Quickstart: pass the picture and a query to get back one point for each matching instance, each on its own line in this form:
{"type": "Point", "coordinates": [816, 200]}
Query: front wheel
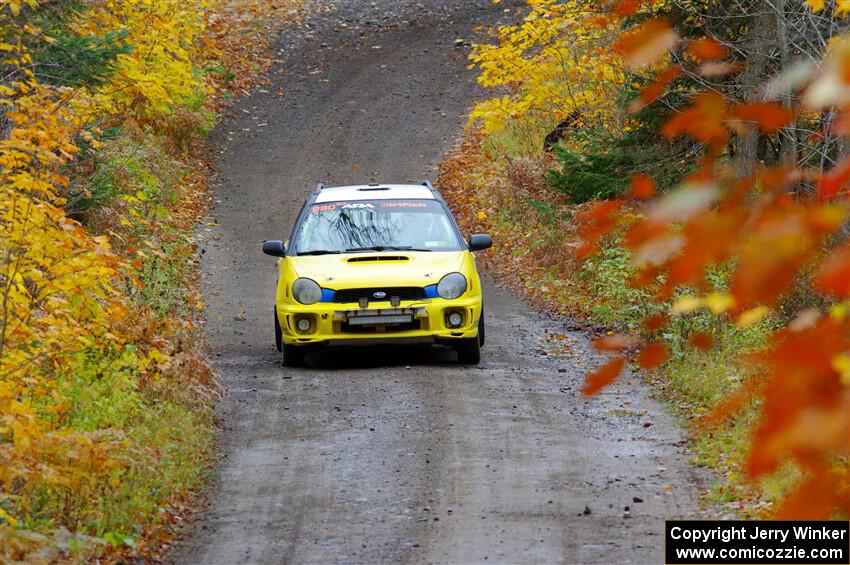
{"type": "Point", "coordinates": [278, 333]}
{"type": "Point", "coordinates": [468, 351]}
{"type": "Point", "coordinates": [481, 329]}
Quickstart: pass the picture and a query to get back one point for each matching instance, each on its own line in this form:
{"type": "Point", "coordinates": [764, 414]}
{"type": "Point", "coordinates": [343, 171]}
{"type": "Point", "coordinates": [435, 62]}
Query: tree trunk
{"type": "Point", "coordinates": [761, 37]}
{"type": "Point", "coordinates": [788, 135]}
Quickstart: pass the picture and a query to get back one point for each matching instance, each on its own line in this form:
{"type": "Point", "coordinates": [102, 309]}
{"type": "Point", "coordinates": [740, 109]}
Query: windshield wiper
{"type": "Point", "coordinates": [319, 252]}
{"type": "Point", "coordinates": [382, 248]}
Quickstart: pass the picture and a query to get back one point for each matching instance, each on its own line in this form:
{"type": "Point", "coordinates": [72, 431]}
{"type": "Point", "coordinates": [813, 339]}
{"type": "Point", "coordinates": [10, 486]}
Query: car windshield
{"type": "Point", "coordinates": [376, 225]}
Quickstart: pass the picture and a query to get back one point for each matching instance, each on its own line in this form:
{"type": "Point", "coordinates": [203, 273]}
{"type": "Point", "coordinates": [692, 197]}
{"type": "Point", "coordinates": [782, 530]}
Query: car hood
{"type": "Point", "coordinates": [356, 270]}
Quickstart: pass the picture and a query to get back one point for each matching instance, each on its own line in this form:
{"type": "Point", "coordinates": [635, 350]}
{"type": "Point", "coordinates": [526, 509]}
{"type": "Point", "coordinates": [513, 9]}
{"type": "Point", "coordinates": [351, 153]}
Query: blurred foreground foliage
{"type": "Point", "coordinates": [697, 197]}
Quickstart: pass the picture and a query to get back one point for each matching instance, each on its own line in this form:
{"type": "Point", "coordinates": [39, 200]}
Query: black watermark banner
{"type": "Point", "coordinates": [761, 542]}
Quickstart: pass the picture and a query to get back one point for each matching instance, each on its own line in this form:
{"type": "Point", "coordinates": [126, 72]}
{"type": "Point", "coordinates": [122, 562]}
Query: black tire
{"type": "Point", "coordinates": [293, 356]}
{"type": "Point", "coordinates": [481, 329]}
{"type": "Point", "coordinates": [468, 351]}
{"type": "Point", "coordinates": [278, 333]}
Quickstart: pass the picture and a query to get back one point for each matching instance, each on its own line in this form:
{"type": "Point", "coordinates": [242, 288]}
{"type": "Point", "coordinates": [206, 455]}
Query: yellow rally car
{"type": "Point", "coordinates": [377, 264]}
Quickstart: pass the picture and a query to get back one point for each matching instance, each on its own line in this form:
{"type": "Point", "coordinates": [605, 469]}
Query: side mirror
{"type": "Point", "coordinates": [480, 241]}
{"type": "Point", "coordinates": [275, 248]}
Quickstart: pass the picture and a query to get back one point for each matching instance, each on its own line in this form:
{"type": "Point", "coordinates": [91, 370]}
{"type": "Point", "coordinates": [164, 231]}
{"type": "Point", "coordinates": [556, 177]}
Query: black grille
{"type": "Point", "coordinates": [414, 325]}
{"type": "Point", "coordinates": [355, 294]}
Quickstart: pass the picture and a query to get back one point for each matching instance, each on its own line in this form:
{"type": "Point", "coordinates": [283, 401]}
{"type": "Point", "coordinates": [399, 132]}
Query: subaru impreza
{"type": "Point", "coordinates": [377, 264]}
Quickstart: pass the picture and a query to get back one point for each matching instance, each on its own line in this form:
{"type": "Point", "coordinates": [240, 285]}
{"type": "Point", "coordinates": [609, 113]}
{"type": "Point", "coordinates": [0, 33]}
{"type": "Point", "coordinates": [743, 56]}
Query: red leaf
{"type": "Point", "coordinates": [644, 277]}
{"type": "Point", "coordinates": [833, 275]}
{"type": "Point", "coordinates": [656, 322]}
{"type": "Point", "coordinates": [643, 186]}
{"type": "Point", "coordinates": [831, 183]}
{"type": "Point", "coordinates": [702, 341]}
{"type": "Point", "coordinates": [603, 376]}
{"type": "Point", "coordinates": [653, 355]}
{"type": "Point", "coordinates": [770, 116]}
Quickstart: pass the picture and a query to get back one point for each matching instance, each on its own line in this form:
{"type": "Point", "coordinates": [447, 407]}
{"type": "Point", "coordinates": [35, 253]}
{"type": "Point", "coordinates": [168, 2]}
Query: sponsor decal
{"type": "Point", "coordinates": [392, 204]}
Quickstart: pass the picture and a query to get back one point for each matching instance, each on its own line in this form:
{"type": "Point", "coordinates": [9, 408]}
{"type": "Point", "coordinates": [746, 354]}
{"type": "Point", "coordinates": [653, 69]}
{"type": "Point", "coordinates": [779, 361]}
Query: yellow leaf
{"type": "Point", "coordinates": [687, 304]}
{"type": "Point", "coordinates": [752, 316]}
{"type": "Point", "coordinates": [841, 363]}
{"type": "Point", "coordinates": [719, 302]}
{"type": "Point", "coordinates": [8, 518]}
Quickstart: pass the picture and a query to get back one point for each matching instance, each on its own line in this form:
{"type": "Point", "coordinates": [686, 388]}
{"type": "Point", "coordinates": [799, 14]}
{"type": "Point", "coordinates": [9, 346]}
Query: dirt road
{"type": "Point", "coordinates": [398, 456]}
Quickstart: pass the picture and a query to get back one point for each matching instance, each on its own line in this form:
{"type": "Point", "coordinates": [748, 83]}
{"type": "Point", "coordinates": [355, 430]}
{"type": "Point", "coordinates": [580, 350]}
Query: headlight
{"type": "Point", "coordinates": [451, 286]}
{"type": "Point", "coordinates": [306, 291]}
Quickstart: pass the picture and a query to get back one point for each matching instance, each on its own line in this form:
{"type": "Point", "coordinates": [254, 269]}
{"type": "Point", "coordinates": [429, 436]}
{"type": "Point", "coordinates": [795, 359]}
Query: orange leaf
{"type": "Point", "coordinates": [653, 355]}
{"type": "Point", "coordinates": [816, 498]}
{"type": "Point", "coordinates": [730, 404]}
{"type": "Point", "coordinates": [703, 121]}
{"type": "Point", "coordinates": [806, 408]}
{"type": "Point", "coordinates": [615, 342]}
{"type": "Point", "coordinates": [777, 178]}
{"type": "Point", "coordinates": [643, 186]}
{"type": "Point", "coordinates": [706, 49]}
{"type": "Point", "coordinates": [625, 8]}
{"type": "Point", "coordinates": [596, 221]}
{"type": "Point", "coordinates": [644, 277]}
{"type": "Point", "coordinates": [770, 116]}
{"type": "Point", "coordinates": [656, 88]}
{"type": "Point", "coordinates": [603, 376]}
{"type": "Point", "coordinates": [833, 276]}
{"type": "Point", "coordinates": [646, 43]}
{"type": "Point", "coordinates": [831, 183]}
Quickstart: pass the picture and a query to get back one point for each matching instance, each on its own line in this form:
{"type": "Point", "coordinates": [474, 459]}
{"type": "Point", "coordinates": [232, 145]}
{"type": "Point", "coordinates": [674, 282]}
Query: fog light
{"type": "Point", "coordinates": [303, 324]}
{"type": "Point", "coordinates": [455, 319]}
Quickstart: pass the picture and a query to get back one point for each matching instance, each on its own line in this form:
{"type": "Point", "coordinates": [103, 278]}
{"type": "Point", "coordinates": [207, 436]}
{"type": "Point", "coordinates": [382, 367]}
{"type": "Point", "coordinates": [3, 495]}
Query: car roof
{"type": "Point", "coordinates": [374, 191]}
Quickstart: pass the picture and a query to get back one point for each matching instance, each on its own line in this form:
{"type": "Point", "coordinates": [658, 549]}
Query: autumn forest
{"type": "Point", "coordinates": [668, 180]}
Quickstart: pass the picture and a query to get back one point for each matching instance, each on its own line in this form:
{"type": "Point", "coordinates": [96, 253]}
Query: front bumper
{"type": "Point", "coordinates": [329, 322]}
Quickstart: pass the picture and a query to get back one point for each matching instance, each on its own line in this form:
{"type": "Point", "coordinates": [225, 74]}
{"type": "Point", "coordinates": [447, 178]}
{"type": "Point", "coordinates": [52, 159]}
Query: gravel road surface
{"type": "Point", "coordinates": [385, 455]}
